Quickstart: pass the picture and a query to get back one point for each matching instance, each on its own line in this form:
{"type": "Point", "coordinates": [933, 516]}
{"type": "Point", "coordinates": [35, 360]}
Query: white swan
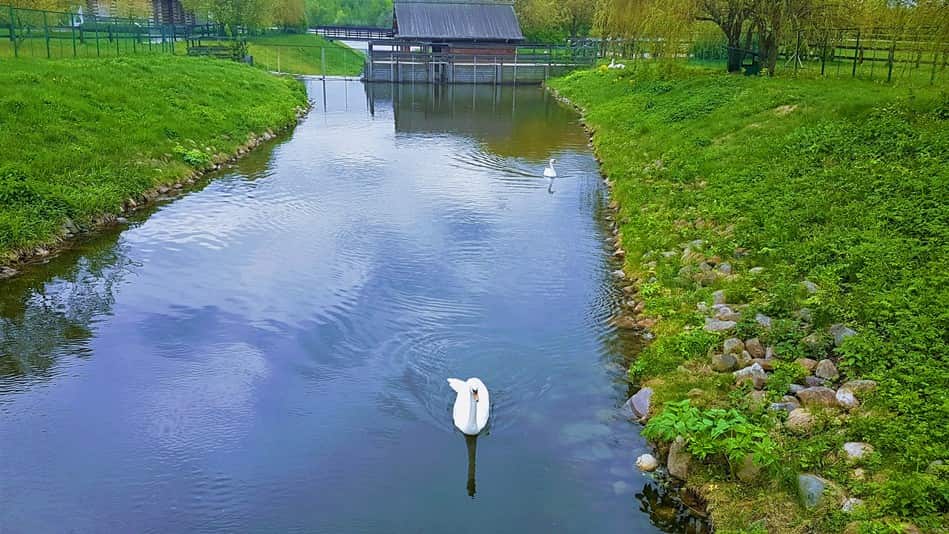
{"type": "Point", "coordinates": [550, 172]}
{"type": "Point", "coordinates": [472, 405]}
{"type": "Point", "coordinates": [614, 65]}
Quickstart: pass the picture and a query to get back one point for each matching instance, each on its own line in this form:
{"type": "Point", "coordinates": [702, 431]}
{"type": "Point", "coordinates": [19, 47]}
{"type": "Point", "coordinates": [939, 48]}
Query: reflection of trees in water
{"type": "Point", "coordinates": [523, 121]}
{"type": "Point", "coordinates": [49, 311]}
{"type": "Point", "coordinates": [666, 511]}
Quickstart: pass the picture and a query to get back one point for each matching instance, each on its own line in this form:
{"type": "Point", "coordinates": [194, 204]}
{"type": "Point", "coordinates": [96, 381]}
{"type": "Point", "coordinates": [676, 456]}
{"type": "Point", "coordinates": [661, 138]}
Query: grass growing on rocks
{"type": "Point", "coordinates": [807, 204]}
{"type": "Point", "coordinates": [80, 137]}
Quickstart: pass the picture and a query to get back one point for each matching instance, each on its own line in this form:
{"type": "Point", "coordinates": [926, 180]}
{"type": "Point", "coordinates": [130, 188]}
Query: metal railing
{"type": "Point", "coordinates": [53, 34]}
{"type": "Point", "coordinates": [353, 33]}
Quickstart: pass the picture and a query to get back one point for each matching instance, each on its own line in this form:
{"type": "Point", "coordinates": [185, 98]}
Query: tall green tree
{"type": "Point", "coordinates": [250, 14]}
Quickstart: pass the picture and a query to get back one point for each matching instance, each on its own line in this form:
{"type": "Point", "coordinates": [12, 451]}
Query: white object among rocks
{"type": "Point", "coordinates": [856, 450]}
{"type": "Point", "coordinates": [647, 463]}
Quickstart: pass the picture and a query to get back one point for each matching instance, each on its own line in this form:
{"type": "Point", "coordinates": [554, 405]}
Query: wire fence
{"type": "Point", "coordinates": [52, 35]}
{"type": "Point", "coordinates": [882, 54]}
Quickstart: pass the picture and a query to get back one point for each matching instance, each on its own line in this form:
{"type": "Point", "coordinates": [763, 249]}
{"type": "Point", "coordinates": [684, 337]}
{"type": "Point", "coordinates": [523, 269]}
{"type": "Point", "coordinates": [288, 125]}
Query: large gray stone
{"type": "Point", "coordinates": [813, 490]}
{"type": "Point", "coordinates": [807, 363]}
{"type": "Point", "coordinates": [860, 387]}
{"type": "Point", "coordinates": [753, 374]}
{"type": "Point", "coordinates": [718, 297]}
{"type": "Point", "coordinates": [724, 362]}
{"type": "Point", "coordinates": [679, 459]}
{"type": "Point", "coordinates": [800, 420]}
{"type": "Point", "coordinates": [625, 322]}
{"type": "Point", "coordinates": [733, 345]}
{"type": "Point", "coordinates": [846, 399]}
{"type": "Point", "coordinates": [647, 463]}
{"type": "Point", "coordinates": [755, 348]}
{"type": "Point", "coordinates": [818, 396]}
{"type": "Point", "coordinates": [639, 403]}
{"type": "Point", "coordinates": [714, 325]}
{"type": "Point", "coordinates": [763, 320]}
{"type": "Point", "coordinates": [841, 333]}
{"type": "Point", "coordinates": [826, 370]}
{"type": "Point", "coordinates": [810, 287]}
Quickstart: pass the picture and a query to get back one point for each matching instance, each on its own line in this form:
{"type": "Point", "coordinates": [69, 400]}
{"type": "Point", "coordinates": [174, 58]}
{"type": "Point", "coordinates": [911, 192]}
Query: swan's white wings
{"type": "Point", "coordinates": [461, 411]}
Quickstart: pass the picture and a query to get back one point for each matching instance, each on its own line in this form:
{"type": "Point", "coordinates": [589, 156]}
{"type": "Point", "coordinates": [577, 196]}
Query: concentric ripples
{"type": "Point", "coordinates": [270, 352]}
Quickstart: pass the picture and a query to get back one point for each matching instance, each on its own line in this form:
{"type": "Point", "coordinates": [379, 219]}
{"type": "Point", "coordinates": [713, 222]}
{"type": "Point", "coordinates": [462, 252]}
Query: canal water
{"type": "Point", "coordinates": [269, 352]}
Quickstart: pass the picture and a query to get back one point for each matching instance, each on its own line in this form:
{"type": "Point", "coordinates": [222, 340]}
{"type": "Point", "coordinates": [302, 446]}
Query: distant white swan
{"type": "Point", "coordinates": [472, 405]}
{"type": "Point", "coordinates": [614, 65]}
{"type": "Point", "coordinates": [550, 172]}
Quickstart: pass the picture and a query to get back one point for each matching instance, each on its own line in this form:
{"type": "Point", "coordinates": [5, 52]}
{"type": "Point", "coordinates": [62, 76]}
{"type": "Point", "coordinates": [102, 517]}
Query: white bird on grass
{"type": "Point", "coordinates": [614, 65]}
{"type": "Point", "coordinates": [472, 405]}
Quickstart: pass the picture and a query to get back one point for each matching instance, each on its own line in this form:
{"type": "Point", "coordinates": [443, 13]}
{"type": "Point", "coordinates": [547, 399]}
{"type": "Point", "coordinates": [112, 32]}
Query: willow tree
{"type": "Point", "coordinates": [289, 13]}
{"type": "Point", "coordinates": [249, 14]}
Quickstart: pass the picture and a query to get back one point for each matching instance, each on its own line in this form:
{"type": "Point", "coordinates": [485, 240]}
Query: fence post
{"type": "Point", "coordinates": [856, 53]}
{"type": "Point", "coordinates": [46, 29]}
{"type": "Point", "coordinates": [323, 61]}
{"type": "Point", "coordinates": [797, 52]}
{"type": "Point", "coordinates": [95, 23]}
{"type": "Point", "coordinates": [515, 67]}
{"type": "Point", "coordinates": [823, 54]}
{"type": "Point", "coordinates": [16, 52]}
{"type": "Point", "coordinates": [72, 27]}
{"type": "Point", "coordinates": [889, 72]}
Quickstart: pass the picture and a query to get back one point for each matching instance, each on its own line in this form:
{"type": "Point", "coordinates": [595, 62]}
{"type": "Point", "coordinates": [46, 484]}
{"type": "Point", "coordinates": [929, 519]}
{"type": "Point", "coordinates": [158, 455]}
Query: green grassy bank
{"type": "Point", "coordinates": [304, 54]}
{"type": "Point", "coordinates": [808, 204]}
{"type": "Point", "coordinates": [80, 137]}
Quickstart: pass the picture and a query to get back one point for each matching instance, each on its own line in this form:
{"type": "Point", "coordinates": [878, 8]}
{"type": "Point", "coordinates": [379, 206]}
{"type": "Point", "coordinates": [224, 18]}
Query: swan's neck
{"type": "Point", "coordinates": [472, 413]}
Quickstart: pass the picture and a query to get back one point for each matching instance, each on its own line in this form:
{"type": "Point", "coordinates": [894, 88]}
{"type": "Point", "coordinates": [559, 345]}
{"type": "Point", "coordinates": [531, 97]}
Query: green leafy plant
{"type": "Point", "coordinates": [712, 432]}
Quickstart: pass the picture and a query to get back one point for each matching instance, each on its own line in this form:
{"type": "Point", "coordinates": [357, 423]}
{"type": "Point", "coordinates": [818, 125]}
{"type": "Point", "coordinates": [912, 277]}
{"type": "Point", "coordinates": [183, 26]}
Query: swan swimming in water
{"type": "Point", "coordinates": [549, 171]}
{"type": "Point", "coordinates": [472, 405]}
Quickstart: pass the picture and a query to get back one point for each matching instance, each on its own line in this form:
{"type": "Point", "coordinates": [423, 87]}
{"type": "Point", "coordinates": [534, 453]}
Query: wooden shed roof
{"type": "Point", "coordinates": [457, 20]}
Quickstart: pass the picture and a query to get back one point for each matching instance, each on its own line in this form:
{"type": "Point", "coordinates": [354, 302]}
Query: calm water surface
{"type": "Point", "coordinates": [269, 353]}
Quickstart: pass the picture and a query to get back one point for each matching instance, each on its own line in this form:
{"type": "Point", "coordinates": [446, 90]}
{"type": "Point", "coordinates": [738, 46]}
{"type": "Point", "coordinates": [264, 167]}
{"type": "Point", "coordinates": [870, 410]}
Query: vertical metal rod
{"type": "Point", "coordinates": [323, 61]}
{"type": "Point", "coordinates": [16, 52]}
{"type": "Point", "coordinates": [823, 54]}
{"type": "Point", "coordinates": [889, 73]}
{"type": "Point", "coordinates": [515, 67]}
{"type": "Point", "coordinates": [46, 29]}
{"type": "Point", "coordinates": [856, 52]}
{"type": "Point", "coordinates": [797, 52]}
{"type": "Point", "coordinates": [95, 23]}
{"type": "Point", "coordinates": [72, 27]}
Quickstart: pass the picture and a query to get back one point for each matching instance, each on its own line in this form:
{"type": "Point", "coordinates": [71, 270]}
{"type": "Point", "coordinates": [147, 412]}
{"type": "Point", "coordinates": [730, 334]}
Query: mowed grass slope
{"type": "Point", "coordinates": [841, 183]}
{"type": "Point", "coordinates": [79, 137]}
{"type": "Point", "coordinates": [304, 54]}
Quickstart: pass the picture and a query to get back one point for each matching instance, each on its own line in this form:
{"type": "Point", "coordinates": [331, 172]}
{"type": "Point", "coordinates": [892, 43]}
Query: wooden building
{"type": "Point", "coordinates": [488, 27]}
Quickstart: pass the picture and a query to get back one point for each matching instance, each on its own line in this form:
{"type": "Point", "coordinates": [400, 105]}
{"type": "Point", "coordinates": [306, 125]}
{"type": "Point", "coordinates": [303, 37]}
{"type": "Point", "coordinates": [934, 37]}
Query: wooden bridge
{"type": "Point", "coordinates": [353, 33]}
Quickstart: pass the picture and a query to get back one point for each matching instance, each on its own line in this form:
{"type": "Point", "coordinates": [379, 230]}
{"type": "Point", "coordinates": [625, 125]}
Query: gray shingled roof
{"type": "Point", "coordinates": [457, 20]}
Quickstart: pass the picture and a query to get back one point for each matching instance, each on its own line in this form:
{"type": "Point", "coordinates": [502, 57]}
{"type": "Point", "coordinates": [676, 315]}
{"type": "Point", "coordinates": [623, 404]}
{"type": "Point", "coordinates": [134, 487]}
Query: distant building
{"type": "Point", "coordinates": [171, 12]}
{"type": "Point", "coordinates": [162, 11]}
{"type": "Point", "coordinates": [458, 26]}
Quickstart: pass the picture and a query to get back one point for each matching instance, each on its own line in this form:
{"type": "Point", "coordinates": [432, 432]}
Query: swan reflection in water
{"type": "Point", "coordinates": [472, 443]}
